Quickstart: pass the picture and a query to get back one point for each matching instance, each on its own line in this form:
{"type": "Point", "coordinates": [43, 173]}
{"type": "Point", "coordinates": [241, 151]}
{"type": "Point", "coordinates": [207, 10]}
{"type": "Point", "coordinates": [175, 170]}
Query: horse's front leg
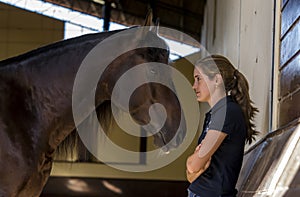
{"type": "Point", "coordinates": [13, 167]}
{"type": "Point", "coordinates": [23, 173]}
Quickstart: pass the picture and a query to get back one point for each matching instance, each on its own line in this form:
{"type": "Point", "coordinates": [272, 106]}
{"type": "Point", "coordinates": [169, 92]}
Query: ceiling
{"type": "Point", "coordinates": [183, 15]}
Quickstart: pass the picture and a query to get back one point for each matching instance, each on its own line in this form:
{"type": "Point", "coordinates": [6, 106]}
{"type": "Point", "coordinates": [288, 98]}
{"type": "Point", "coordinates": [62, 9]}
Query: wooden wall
{"type": "Point", "coordinates": [289, 68]}
{"type": "Point", "coordinates": [271, 167]}
{"type": "Point", "coordinates": [242, 30]}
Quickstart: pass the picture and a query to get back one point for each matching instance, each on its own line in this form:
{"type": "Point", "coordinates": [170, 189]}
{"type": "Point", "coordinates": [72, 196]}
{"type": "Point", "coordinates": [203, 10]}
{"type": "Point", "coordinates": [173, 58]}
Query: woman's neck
{"type": "Point", "coordinates": [215, 98]}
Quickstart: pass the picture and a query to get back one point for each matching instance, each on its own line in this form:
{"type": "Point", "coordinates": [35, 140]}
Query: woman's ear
{"type": "Point", "coordinates": [218, 79]}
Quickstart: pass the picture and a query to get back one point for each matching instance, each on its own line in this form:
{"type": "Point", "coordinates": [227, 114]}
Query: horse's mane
{"type": "Point", "coordinates": [69, 149]}
{"type": "Point", "coordinates": [58, 45]}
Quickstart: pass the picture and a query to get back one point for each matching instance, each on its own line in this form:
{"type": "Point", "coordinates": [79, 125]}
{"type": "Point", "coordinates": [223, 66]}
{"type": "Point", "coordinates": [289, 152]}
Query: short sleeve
{"type": "Point", "coordinates": [225, 119]}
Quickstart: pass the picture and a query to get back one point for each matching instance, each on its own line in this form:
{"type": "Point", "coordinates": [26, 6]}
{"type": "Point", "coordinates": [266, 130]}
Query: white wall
{"type": "Point", "coordinates": [242, 31]}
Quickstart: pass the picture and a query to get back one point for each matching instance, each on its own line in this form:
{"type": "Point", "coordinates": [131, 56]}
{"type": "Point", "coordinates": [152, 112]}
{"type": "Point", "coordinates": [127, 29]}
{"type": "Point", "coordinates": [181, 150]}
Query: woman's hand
{"type": "Point", "coordinates": [197, 148]}
{"type": "Point", "coordinates": [193, 176]}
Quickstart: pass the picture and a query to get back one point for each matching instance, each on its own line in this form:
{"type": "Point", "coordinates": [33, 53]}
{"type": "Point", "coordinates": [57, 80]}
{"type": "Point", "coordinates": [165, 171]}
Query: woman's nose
{"type": "Point", "coordinates": [195, 85]}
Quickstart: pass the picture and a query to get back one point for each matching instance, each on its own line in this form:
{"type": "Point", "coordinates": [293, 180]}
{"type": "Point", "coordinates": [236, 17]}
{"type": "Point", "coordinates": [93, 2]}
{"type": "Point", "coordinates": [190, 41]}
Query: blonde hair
{"type": "Point", "coordinates": [235, 84]}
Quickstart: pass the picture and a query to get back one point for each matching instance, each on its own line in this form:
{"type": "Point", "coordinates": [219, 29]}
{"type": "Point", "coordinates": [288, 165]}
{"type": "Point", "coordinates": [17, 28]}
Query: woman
{"type": "Point", "coordinates": [214, 167]}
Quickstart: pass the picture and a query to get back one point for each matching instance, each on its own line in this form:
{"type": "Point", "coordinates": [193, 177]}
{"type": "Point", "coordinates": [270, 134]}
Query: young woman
{"type": "Point", "coordinates": [214, 167]}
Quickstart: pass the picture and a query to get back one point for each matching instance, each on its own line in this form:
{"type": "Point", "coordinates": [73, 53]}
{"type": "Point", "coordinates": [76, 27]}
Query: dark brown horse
{"type": "Point", "coordinates": [36, 105]}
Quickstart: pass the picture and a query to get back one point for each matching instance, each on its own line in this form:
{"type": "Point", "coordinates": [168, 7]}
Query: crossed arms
{"type": "Point", "coordinates": [199, 161]}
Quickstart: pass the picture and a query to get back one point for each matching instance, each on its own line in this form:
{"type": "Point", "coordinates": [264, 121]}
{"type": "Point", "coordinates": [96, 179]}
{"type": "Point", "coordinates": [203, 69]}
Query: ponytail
{"type": "Point", "coordinates": [240, 93]}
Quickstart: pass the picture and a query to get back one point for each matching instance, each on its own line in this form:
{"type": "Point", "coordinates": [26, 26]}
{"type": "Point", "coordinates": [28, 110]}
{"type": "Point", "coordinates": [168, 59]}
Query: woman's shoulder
{"type": "Point", "coordinates": [234, 110]}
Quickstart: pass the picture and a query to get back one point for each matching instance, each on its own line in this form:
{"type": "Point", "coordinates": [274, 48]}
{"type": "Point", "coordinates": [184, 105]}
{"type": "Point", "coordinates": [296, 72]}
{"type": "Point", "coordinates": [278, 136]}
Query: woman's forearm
{"type": "Point", "coordinates": [203, 152]}
{"type": "Point", "coordinates": [195, 164]}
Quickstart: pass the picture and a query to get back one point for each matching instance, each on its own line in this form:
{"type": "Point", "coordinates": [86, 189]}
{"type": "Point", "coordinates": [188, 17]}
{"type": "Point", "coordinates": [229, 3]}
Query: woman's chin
{"type": "Point", "coordinates": [200, 99]}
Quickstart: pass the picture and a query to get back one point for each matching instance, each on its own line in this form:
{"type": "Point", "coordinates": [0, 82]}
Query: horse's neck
{"type": "Point", "coordinates": [40, 87]}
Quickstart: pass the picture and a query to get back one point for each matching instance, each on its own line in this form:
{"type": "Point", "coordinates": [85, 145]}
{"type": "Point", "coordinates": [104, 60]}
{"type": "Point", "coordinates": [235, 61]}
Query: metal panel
{"type": "Point", "coordinates": [261, 162]}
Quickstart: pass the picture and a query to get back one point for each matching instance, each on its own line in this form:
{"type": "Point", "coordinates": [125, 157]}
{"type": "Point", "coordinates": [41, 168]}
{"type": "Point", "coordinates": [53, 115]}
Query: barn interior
{"type": "Point", "coordinates": [259, 38]}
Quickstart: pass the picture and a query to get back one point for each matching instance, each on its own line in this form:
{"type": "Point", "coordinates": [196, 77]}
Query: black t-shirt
{"type": "Point", "coordinates": [221, 176]}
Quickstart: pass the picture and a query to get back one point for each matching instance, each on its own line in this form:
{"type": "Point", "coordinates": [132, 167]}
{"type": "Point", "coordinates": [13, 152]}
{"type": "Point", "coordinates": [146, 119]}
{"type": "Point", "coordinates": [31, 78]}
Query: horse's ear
{"type": "Point", "coordinates": [149, 25]}
{"type": "Point", "coordinates": [149, 22]}
{"type": "Point", "coordinates": [156, 26]}
{"type": "Point", "coordinates": [149, 18]}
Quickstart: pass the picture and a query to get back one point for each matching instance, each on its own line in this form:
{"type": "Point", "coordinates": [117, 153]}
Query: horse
{"type": "Point", "coordinates": [36, 104]}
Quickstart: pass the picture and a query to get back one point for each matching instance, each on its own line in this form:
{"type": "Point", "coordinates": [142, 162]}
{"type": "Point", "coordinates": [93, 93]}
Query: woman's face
{"type": "Point", "coordinates": [202, 85]}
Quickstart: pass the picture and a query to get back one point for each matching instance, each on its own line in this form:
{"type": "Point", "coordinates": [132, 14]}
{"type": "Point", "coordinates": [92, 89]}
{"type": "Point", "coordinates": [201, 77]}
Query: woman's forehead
{"type": "Point", "coordinates": [197, 71]}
